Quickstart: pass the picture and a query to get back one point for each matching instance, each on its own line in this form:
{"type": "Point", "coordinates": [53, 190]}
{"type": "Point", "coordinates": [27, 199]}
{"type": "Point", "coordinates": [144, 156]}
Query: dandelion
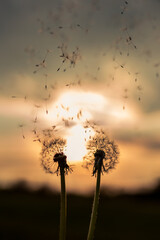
{"type": "Point", "coordinates": [102, 156]}
{"type": "Point", "coordinates": [52, 156]}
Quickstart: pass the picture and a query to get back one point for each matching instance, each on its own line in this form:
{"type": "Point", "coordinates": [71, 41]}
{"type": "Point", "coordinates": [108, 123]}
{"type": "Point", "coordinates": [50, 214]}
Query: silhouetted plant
{"type": "Point", "coordinates": [51, 155]}
{"type": "Point", "coordinates": [102, 156]}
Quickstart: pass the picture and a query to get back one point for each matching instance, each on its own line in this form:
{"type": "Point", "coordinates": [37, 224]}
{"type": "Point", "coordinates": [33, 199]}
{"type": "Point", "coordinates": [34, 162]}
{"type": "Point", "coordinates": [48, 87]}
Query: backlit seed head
{"type": "Point", "coordinates": [52, 156]}
{"type": "Point", "coordinates": [102, 153]}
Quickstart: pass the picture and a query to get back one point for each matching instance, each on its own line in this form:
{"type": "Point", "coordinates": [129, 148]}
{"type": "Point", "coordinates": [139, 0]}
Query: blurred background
{"type": "Point", "coordinates": [27, 214]}
{"type": "Point", "coordinates": [64, 63]}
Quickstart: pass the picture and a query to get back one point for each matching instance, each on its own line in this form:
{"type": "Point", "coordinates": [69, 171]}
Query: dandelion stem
{"type": "Point", "coordinates": [95, 207]}
{"type": "Point", "coordinates": [63, 212]}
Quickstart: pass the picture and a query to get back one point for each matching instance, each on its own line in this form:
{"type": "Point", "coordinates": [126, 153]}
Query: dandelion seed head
{"type": "Point", "coordinates": [100, 149]}
{"type": "Point", "coordinates": [52, 154]}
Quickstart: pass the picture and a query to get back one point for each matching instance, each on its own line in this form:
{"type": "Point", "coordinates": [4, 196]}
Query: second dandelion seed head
{"type": "Point", "coordinates": [102, 152]}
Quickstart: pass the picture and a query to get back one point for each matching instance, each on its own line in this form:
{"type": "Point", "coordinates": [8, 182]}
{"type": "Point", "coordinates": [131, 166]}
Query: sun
{"type": "Point", "coordinates": [70, 112]}
{"type": "Point", "coordinates": [76, 143]}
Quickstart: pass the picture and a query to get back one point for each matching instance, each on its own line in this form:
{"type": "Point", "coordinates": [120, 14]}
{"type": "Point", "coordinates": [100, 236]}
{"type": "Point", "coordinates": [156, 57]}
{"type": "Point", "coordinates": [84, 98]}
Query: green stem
{"type": "Point", "coordinates": [63, 211]}
{"type": "Point", "coordinates": [95, 207]}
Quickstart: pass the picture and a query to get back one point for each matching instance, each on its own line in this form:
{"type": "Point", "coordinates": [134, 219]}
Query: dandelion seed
{"type": "Point", "coordinates": [22, 131]}
{"type": "Point", "coordinates": [139, 87]}
{"type": "Point", "coordinates": [35, 120]}
{"type": "Point", "coordinates": [37, 106]}
{"type": "Point", "coordinates": [34, 131]}
{"type": "Point", "coordinates": [124, 7]}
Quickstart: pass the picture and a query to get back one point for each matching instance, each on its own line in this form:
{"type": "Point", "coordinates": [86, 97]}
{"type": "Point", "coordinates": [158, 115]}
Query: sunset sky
{"type": "Point", "coordinates": [65, 62]}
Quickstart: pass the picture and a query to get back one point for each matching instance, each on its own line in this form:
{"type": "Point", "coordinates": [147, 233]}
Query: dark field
{"type": "Point", "coordinates": [31, 215]}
